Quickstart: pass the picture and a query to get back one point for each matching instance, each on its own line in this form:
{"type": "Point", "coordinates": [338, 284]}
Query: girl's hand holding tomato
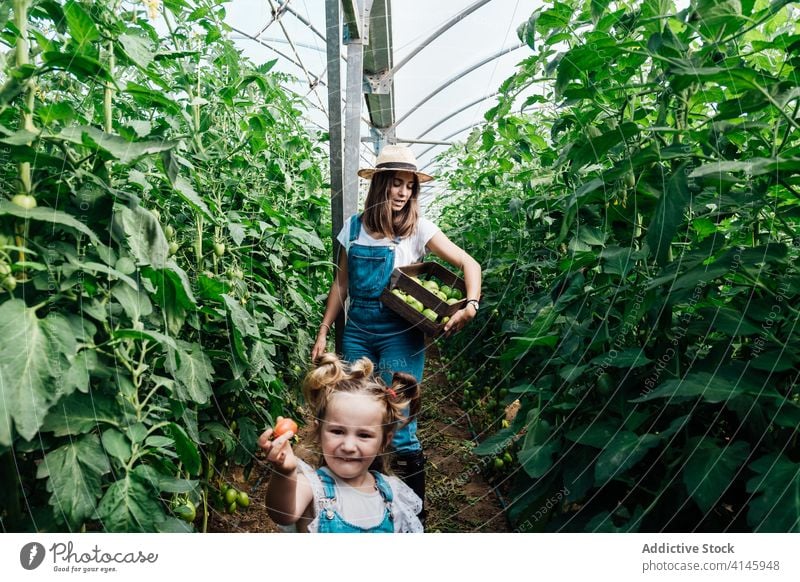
{"type": "Point", "coordinates": [279, 451]}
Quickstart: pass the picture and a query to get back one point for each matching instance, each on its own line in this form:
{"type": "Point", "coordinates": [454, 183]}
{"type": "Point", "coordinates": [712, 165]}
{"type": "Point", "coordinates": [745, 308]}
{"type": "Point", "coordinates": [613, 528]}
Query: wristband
{"type": "Point", "coordinates": [326, 325]}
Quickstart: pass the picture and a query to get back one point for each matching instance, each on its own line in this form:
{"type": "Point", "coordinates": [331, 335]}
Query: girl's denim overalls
{"type": "Point", "coordinates": [375, 331]}
{"type": "Point", "coordinates": [331, 522]}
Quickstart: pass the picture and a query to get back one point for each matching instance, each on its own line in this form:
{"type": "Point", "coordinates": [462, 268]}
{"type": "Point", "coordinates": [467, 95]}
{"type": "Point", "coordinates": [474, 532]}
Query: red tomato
{"type": "Point", "coordinates": [283, 426]}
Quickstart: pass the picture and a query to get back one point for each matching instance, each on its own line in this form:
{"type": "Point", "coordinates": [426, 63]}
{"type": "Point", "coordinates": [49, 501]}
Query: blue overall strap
{"type": "Point", "coordinates": [328, 483]}
{"type": "Point", "coordinates": [383, 486]}
{"type": "Point", "coordinates": [355, 226]}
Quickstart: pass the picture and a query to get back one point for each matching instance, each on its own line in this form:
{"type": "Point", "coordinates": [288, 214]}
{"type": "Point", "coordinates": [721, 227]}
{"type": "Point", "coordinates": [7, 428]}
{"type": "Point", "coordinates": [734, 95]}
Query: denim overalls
{"type": "Point", "coordinates": [331, 522]}
{"type": "Point", "coordinates": [375, 331]}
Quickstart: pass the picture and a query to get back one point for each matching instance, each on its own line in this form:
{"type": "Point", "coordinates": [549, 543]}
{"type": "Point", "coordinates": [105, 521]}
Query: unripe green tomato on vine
{"type": "Point", "coordinates": [219, 249]}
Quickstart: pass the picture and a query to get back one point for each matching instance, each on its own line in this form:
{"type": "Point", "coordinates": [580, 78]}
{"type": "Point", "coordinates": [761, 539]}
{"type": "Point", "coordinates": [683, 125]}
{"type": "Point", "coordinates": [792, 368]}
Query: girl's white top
{"type": "Point", "coordinates": [405, 503]}
{"type": "Point", "coordinates": [409, 250]}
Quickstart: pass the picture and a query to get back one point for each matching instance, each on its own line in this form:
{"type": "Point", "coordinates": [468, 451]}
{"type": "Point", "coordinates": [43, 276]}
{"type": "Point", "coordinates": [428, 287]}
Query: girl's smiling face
{"type": "Point", "coordinates": [352, 435]}
{"type": "Point", "coordinates": [401, 189]}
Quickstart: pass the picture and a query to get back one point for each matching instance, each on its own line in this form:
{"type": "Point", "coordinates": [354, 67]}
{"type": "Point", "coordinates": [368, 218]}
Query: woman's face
{"type": "Point", "coordinates": [401, 188]}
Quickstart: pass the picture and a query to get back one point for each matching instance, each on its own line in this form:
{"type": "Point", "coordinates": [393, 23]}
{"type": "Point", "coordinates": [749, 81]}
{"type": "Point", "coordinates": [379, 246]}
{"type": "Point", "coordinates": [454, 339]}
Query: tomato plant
{"type": "Point", "coordinates": [129, 150]}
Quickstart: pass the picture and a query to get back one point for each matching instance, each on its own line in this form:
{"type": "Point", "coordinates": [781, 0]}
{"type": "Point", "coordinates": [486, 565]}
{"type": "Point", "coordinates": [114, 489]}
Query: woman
{"type": "Point", "coordinates": [389, 234]}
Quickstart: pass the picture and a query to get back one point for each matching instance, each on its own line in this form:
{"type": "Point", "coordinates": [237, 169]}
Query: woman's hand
{"type": "Point", "coordinates": [458, 320]}
{"type": "Point", "coordinates": [320, 345]}
{"type": "Point", "coordinates": [279, 452]}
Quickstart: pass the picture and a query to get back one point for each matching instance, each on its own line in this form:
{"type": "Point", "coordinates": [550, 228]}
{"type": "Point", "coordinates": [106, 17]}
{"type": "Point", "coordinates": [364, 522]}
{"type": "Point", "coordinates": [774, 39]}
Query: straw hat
{"type": "Point", "coordinates": [395, 158]}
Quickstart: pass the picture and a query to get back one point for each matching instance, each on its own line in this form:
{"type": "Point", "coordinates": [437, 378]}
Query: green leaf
{"type": "Point", "coordinates": [139, 49]}
{"type": "Point", "coordinates": [135, 304]}
{"type": "Point", "coordinates": [120, 148]}
{"type": "Point", "coordinates": [776, 486]}
{"type": "Point", "coordinates": [495, 444]}
{"type": "Point", "coordinates": [130, 505]}
{"type": "Point", "coordinates": [77, 377]}
{"type": "Point", "coordinates": [185, 191]}
{"type": "Point", "coordinates": [713, 388]}
{"type": "Point", "coordinates": [34, 355]}
{"type": "Point", "coordinates": [145, 334]}
{"type": "Point", "coordinates": [139, 230]}
{"type": "Point", "coordinates": [81, 413]}
{"type": "Point", "coordinates": [116, 444]}
{"type": "Point", "coordinates": [75, 472]}
{"type": "Point", "coordinates": [192, 370]}
{"type": "Point", "coordinates": [710, 469]}
{"type": "Point", "coordinates": [668, 215]}
{"type": "Point", "coordinates": [538, 459]}
{"type": "Point", "coordinates": [716, 18]}
{"type": "Point", "coordinates": [186, 449]}
{"type": "Point", "coordinates": [80, 24]}
{"type": "Point", "coordinates": [309, 238]}
{"type": "Point", "coordinates": [623, 451]}
{"type": "Point", "coordinates": [597, 434]}
{"type": "Point", "coordinates": [49, 215]}
{"type": "Point", "coordinates": [84, 68]}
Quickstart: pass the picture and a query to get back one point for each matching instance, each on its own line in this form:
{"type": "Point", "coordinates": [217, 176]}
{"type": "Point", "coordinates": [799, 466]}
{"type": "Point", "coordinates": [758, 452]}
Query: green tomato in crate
{"type": "Point", "coordinates": [440, 295]}
{"type": "Point", "coordinates": [447, 290]}
{"type": "Point", "coordinates": [399, 293]}
{"type": "Point", "coordinates": [457, 295]}
{"type": "Point", "coordinates": [430, 314]}
{"type": "Point", "coordinates": [452, 300]}
{"type": "Point", "coordinates": [430, 285]}
{"type": "Point", "coordinates": [445, 319]}
{"type": "Point", "coordinates": [418, 306]}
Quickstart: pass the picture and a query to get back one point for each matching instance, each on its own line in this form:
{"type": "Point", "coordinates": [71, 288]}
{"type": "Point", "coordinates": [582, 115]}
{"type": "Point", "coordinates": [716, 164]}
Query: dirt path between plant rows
{"type": "Point", "coordinates": [458, 496]}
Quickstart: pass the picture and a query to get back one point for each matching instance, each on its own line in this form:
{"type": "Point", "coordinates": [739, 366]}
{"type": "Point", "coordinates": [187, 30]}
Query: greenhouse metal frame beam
{"type": "Point", "coordinates": [455, 78]}
{"type": "Point", "coordinates": [333, 27]}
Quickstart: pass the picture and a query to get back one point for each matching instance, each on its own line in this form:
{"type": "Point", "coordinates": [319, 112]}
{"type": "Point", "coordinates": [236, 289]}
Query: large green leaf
{"type": "Point", "coordinates": [192, 370]}
{"type": "Point", "coordinates": [538, 459]}
{"type": "Point", "coordinates": [80, 24]}
{"type": "Point", "coordinates": [776, 486]}
{"type": "Point", "coordinates": [81, 413]}
{"type": "Point", "coordinates": [713, 388]}
{"type": "Point", "coordinates": [710, 469]}
{"type": "Point", "coordinates": [668, 215]}
{"type": "Point", "coordinates": [83, 67]}
{"type": "Point", "coordinates": [135, 303]}
{"type": "Point", "coordinates": [139, 230]}
{"type": "Point", "coordinates": [188, 193]}
{"type": "Point", "coordinates": [74, 472]}
{"type": "Point", "coordinates": [56, 217]}
{"type": "Point", "coordinates": [623, 451]}
{"type": "Point", "coordinates": [139, 49]}
{"type": "Point", "coordinates": [130, 505]}
{"type": "Point", "coordinates": [34, 355]}
{"type": "Point", "coordinates": [186, 449]}
{"type": "Point", "coordinates": [123, 150]}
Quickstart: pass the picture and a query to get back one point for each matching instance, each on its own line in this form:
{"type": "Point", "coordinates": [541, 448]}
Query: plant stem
{"type": "Point", "coordinates": [108, 94]}
{"type": "Point", "coordinates": [23, 58]}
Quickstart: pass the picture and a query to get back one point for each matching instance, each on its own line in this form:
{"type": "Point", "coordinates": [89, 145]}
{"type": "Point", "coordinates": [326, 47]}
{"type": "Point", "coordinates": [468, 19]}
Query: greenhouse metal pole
{"type": "Point", "coordinates": [354, 39]}
{"type": "Point", "coordinates": [333, 41]}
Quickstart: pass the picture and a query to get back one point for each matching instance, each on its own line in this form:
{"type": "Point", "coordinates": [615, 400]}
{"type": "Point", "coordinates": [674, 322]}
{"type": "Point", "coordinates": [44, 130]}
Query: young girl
{"type": "Point", "coordinates": [354, 418]}
{"type": "Point", "coordinates": [388, 234]}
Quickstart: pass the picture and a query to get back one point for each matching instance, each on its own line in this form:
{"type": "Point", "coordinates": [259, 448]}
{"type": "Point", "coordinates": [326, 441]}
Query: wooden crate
{"type": "Point", "coordinates": [401, 279]}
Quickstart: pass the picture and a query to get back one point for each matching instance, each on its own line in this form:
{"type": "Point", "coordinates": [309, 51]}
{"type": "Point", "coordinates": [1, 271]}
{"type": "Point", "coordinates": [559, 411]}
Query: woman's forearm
{"type": "Point", "coordinates": [472, 277]}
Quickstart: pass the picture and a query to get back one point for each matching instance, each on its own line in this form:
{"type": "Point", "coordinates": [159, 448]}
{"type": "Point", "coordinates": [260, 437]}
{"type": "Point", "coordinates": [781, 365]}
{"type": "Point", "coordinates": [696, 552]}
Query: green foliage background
{"type": "Point", "coordinates": [157, 299]}
{"type": "Point", "coordinates": [633, 199]}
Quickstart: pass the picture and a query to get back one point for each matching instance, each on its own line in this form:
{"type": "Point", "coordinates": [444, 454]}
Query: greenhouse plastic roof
{"type": "Point", "coordinates": [438, 94]}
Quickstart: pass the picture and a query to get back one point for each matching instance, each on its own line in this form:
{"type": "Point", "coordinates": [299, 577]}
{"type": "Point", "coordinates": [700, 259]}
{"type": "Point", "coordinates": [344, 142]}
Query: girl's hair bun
{"type": "Point", "coordinates": [361, 368]}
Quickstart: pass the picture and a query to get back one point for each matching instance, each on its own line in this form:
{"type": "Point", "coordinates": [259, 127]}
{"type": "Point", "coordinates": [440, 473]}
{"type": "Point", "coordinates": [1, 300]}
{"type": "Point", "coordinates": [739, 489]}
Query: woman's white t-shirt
{"type": "Point", "coordinates": [409, 250]}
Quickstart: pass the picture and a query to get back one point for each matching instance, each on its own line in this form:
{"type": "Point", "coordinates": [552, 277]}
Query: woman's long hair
{"type": "Point", "coordinates": [379, 218]}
